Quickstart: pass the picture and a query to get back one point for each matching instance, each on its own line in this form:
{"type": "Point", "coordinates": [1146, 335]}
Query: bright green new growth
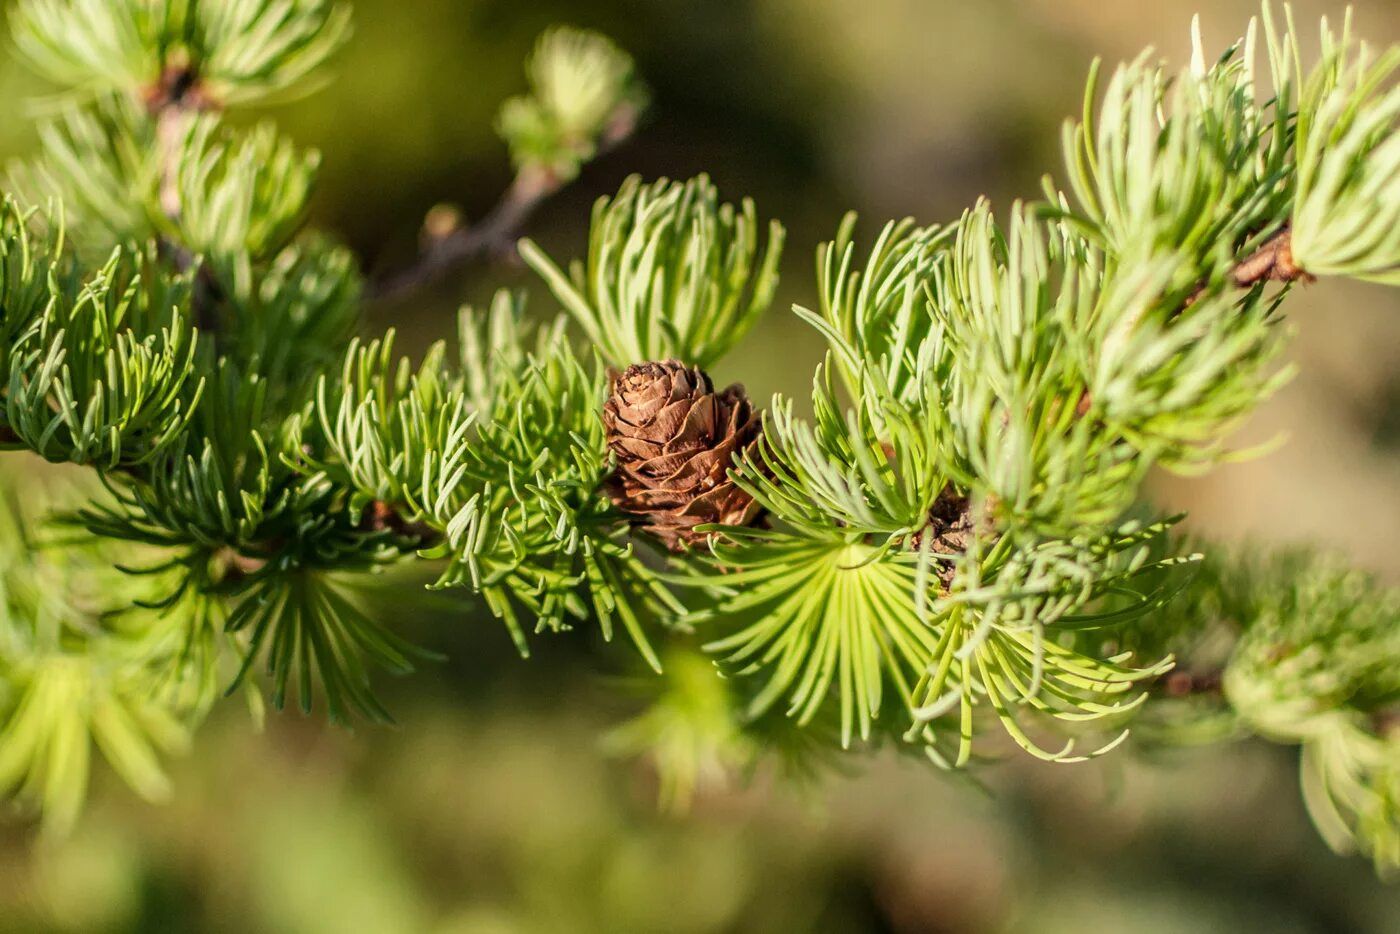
{"type": "Point", "coordinates": [1316, 663]}
{"type": "Point", "coordinates": [954, 552]}
{"type": "Point", "coordinates": [583, 95]}
{"type": "Point", "coordinates": [671, 273]}
{"type": "Point", "coordinates": [247, 50]}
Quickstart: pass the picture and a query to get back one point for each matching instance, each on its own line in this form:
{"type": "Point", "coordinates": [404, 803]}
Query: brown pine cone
{"type": "Point", "coordinates": [675, 439]}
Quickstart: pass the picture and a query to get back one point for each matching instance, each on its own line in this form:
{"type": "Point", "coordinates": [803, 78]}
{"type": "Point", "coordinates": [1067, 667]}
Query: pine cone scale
{"type": "Point", "coordinates": [636, 447]}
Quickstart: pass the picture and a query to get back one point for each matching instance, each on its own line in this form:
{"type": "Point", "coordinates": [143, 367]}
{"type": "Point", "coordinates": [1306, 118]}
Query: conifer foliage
{"type": "Point", "coordinates": [949, 552]}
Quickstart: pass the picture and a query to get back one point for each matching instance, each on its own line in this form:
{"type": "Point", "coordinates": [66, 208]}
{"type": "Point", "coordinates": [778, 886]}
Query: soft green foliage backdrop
{"type": "Point", "coordinates": [490, 810]}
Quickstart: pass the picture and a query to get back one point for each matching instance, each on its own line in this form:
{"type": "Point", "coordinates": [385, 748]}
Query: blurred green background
{"type": "Point", "coordinates": [492, 807]}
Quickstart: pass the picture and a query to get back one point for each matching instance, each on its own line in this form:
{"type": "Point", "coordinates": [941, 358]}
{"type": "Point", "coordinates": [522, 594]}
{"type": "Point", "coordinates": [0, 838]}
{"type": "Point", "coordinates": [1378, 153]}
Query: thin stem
{"type": "Point", "coordinates": [172, 125]}
{"type": "Point", "coordinates": [497, 232]}
{"type": "Point", "coordinates": [173, 102]}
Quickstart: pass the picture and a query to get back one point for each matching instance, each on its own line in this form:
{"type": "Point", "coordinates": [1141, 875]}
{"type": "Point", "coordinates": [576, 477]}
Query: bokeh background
{"type": "Point", "coordinates": [492, 808]}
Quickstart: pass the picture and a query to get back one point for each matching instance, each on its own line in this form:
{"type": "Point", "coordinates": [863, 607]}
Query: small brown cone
{"type": "Point", "coordinates": [675, 439]}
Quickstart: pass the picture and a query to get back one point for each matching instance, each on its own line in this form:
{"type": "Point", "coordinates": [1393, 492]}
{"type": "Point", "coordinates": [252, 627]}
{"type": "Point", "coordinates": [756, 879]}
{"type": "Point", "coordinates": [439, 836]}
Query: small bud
{"type": "Point", "coordinates": [441, 222]}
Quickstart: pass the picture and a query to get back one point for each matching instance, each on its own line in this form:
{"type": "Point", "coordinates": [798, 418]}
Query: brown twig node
{"type": "Point", "coordinates": [1272, 262]}
{"type": "Point", "coordinates": [1182, 683]}
{"type": "Point", "coordinates": [379, 516]}
{"type": "Point", "coordinates": [952, 524]}
{"type": "Point", "coordinates": [178, 87]}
